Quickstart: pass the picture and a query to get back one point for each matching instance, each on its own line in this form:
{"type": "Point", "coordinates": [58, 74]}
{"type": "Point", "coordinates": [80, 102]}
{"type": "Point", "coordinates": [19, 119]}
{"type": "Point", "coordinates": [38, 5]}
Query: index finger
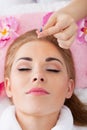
{"type": "Point", "coordinates": [49, 31]}
{"type": "Point", "coordinates": [51, 22]}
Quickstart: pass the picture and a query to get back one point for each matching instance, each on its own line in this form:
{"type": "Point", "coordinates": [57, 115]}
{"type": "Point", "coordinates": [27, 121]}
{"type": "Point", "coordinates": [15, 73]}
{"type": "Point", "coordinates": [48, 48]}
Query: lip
{"type": "Point", "coordinates": [37, 91]}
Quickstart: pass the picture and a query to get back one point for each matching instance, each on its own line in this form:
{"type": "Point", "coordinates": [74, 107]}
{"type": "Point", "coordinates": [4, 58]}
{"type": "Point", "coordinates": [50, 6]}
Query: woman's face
{"type": "Point", "coordinates": [38, 82]}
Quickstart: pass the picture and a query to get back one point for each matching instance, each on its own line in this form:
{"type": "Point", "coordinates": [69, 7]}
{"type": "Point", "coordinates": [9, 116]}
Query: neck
{"type": "Point", "coordinates": [33, 122]}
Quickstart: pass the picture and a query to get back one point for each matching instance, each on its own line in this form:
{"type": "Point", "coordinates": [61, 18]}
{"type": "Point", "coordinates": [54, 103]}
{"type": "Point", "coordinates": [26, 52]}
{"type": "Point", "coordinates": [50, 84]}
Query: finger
{"type": "Point", "coordinates": [67, 33]}
{"type": "Point", "coordinates": [53, 29]}
{"type": "Point", "coordinates": [50, 31]}
{"type": "Point", "coordinates": [61, 24]}
{"type": "Point", "coordinates": [63, 21]}
{"type": "Point", "coordinates": [51, 22]}
{"type": "Point", "coordinates": [66, 44]}
{"type": "Point", "coordinates": [60, 19]}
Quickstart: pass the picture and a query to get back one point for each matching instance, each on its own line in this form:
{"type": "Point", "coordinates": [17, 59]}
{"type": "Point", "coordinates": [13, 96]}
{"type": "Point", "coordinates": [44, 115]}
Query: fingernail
{"type": "Point", "coordinates": [41, 29]}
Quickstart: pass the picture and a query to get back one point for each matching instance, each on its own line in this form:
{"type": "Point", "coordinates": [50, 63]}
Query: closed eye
{"type": "Point", "coordinates": [24, 69]}
{"type": "Point", "coordinates": [53, 70]}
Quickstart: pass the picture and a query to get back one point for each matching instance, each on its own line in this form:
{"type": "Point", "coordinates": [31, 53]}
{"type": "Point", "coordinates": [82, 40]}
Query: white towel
{"type": "Point", "coordinates": [8, 120]}
{"type": "Point", "coordinates": [65, 121]}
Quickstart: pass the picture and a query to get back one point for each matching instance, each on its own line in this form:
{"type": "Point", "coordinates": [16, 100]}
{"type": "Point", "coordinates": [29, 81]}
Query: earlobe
{"type": "Point", "coordinates": [8, 87]}
{"type": "Point", "coordinates": [70, 90]}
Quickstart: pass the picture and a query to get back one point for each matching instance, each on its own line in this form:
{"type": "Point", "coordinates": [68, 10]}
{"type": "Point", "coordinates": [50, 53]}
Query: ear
{"type": "Point", "coordinates": [70, 89]}
{"type": "Point", "coordinates": [8, 87]}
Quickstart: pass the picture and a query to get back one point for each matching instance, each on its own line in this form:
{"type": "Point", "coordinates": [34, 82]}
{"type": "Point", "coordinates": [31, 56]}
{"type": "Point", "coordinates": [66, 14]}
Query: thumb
{"type": "Point", "coordinates": [51, 22]}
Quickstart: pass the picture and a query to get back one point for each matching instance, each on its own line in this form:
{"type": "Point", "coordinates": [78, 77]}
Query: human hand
{"type": "Point", "coordinates": [63, 27]}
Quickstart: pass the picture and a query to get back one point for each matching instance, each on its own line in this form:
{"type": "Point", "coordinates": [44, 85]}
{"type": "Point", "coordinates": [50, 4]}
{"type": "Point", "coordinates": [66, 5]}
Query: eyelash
{"type": "Point", "coordinates": [24, 69]}
{"type": "Point", "coordinates": [50, 70]}
{"type": "Point", "coordinates": [53, 70]}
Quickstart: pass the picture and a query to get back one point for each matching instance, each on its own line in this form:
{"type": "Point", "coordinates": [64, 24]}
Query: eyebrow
{"type": "Point", "coordinates": [47, 59]}
{"type": "Point", "coordinates": [25, 58]}
{"type": "Point", "coordinates": [53, 59]}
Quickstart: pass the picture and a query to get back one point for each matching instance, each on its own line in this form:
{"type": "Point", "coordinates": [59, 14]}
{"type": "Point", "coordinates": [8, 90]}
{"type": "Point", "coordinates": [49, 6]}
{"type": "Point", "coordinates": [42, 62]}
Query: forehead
{"type": "Point", "coordinates": [38, 49]}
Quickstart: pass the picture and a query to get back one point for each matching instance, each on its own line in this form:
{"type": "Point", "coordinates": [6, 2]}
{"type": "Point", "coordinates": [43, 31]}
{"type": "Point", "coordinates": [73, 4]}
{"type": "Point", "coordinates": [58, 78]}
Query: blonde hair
{"type": "Point", "coordinates": [78, 109]}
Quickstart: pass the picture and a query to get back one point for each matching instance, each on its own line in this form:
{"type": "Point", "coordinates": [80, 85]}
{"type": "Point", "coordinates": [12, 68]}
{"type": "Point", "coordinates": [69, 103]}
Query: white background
{"type": "Point", "coordinates": [8, 3]}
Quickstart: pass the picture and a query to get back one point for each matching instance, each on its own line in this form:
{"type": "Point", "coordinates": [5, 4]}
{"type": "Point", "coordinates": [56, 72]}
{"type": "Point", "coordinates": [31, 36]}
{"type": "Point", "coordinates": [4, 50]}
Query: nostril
{"type": "Point", "coordinates": [35, 79]}
{"type": "Point", "coordinates": [42, 79]}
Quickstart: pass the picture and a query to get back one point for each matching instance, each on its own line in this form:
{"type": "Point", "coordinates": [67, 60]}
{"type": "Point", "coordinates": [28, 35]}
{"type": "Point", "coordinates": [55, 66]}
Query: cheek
{"type": "Point", "coordinates": [17, 90]}
{"type": "Point", "coordinates": [16, 85]}
{"type": "Point", "coordinates": [59, 85]}
{"type": "Point", "coordinates": [17, 79]}
{"type": "Point", "coordinates": [58, 89]}
{"type": "Point", "coordinates": [19, 83]}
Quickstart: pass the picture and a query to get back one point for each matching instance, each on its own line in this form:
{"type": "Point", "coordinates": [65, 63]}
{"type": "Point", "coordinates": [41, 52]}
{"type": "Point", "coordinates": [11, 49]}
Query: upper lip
{"type": "Point", "coordinates": [37, 90]}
